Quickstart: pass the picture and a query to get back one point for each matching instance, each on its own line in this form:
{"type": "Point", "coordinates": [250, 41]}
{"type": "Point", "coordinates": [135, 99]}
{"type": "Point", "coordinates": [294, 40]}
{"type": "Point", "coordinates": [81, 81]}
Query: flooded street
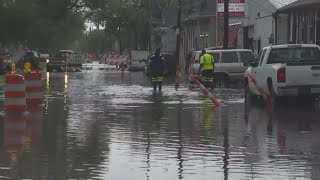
{"type": "Point", "coordinates": [96, 125]}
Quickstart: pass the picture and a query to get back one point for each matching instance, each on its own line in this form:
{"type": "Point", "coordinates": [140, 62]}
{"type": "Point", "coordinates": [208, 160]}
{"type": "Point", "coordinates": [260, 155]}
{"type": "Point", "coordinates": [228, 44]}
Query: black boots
{"type": "Point", "coordinates": [154, 86]}
{"type": "Point", "coordinates": [160, 86]}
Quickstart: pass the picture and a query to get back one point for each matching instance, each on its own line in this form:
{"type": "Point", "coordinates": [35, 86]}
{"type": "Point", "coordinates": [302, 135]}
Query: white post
{"type": "Point", "coordinates": [67, 62]}
{"type": "Point", "coordinates": [291, 27]}
{"type": "Point", "coordinates": [198, 33]}
{"type": "Point", "coordinates": [315, 25]}
{"type": "Point", "coordinates": [216, 28]}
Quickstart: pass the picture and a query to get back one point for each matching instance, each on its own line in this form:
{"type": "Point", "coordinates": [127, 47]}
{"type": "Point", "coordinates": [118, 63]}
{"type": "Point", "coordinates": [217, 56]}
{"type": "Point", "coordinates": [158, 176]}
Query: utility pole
{"type": "Point", "coordinates": [178, 30]}
{"type": "Point", "coordinates": [226, 25]}
{"type": "Point", "coordinates": [150, 25]}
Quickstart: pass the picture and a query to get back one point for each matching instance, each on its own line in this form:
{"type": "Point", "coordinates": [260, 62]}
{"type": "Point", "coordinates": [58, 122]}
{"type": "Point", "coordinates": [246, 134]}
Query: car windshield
{"type": "Point", "coordinates": [30, 54]}
{"type": "Point", "coordinates": [294, 55]}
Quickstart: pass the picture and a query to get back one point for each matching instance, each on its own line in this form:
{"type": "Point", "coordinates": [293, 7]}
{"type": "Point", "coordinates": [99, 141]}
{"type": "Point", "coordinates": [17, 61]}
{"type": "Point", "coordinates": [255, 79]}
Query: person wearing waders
{"type": "Point", "coordinates": [157, 69]}
{"type": "Point", "coordinates": [206, 69]}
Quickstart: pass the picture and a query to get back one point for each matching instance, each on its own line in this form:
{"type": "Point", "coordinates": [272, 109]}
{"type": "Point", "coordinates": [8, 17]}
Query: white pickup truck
{"type": "Point", "coordinates": [285, 70]}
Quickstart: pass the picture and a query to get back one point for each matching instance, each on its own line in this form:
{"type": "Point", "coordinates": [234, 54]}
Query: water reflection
{"type": "Point", "coordinates": [95, 126]}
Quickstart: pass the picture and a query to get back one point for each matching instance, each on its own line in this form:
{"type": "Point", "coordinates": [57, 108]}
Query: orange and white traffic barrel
{"type": "Point", "coordinates": [33, 87]}
{"type": "Point", "coordinates": [15, 96]}
{"type": "Point", "coordinates": [206, 92]}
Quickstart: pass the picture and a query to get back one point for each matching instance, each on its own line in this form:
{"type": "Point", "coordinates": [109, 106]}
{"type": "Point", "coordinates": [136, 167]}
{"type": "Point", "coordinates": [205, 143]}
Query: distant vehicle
{"type": "Point", "coordinates": [64, 60]}
{"type": "Point", "coordinates": [5, 62]}
{"type": "Point", "coordinates": [285, 70]}
{"type": "Point", "coordinates": [230, 65]}
{"type": "Point", "coordinates": [44, 57]}
{"type": "Point", "coordinates": [31, 57]}
{"type": "Point", "coordinates": [138, 60]}
{"type": "Point", "coordinates": [170, 64]}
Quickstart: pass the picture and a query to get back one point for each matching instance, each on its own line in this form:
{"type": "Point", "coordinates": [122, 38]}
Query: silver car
{"type": "Point", "coordinates": [230, 65]}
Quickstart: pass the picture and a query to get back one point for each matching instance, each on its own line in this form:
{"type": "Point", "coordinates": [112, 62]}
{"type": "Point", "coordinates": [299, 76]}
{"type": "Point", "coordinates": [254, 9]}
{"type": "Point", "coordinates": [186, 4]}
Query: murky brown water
{"type": "Point", "coordinates": [97, 126]}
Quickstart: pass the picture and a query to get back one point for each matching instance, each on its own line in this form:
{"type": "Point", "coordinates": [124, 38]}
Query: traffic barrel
{"type": "Point", "coordinates": [15, 96]}
{"type": "Point", "coordinates": [33, 87]}
{"type": "Point", "coordinates": [206, 92]}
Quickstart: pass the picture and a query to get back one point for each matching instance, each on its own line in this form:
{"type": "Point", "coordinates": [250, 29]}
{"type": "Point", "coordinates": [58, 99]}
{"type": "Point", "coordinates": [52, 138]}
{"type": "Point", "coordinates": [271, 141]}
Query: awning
{"type": "Point", "coordinates": [299, 4]}
{"type": "Point", "coordinates": [233, 35]}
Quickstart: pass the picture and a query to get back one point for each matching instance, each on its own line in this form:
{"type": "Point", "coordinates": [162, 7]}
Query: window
{"type": "Point", "coordinates": [216, 57]}
{"type": "Point", "coordinates": [229, 57]}
{"type": "Point", "coordinates": [30, 54]}
{"type": "Point", "coordinates": [297, 55]}
{"type": "Point", "coordinates": [246, 57]}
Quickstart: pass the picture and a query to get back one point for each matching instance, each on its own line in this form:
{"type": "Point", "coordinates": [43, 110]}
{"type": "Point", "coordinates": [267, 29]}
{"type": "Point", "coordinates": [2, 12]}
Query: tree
{"type": "Point", "coordinates": [44, 24]}
{"type": "Point", "coordinates": [129, 21]}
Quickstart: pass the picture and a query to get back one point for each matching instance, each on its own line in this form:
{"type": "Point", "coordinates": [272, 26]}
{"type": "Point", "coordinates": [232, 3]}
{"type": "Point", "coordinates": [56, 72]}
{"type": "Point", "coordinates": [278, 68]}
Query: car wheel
{"type": "Point", "coordinates": [222, 83]}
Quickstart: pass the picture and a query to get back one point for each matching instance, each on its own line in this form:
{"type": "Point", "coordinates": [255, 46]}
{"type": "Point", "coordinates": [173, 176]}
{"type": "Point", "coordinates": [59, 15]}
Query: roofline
{"type": "Point", "coordinates": [295, 5]}
{"type": "Point", "coordinates": [199, 16]}
{"type": "Point", "coordinates": [224, 50]}
{"type": "Point", "coordinates": [286, 45]}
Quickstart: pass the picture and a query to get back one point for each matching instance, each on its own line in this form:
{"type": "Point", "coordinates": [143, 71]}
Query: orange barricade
{"type": "Point", "coordinates": [33, 87]}
{"type": "Point", "coordinates": [206, 92]}
{"type": "Point", "coordinates": [15, 96]}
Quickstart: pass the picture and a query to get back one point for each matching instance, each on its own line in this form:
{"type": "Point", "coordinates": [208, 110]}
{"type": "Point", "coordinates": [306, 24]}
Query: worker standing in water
{"type": "Point", "coordinates": [206, 69]}
{"type": "Point", "coordinates": [157, 69]}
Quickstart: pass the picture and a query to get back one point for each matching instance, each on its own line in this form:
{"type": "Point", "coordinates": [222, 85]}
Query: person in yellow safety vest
{"type": "Point", "coordinates": [206, 69]}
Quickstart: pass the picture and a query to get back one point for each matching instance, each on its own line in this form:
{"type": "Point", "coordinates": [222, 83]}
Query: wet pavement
{"type": "Point", "coordinates": [97, 125]}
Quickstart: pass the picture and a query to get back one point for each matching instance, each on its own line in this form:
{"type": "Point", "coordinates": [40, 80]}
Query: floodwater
{"type": "Point", "coordinates": [97, 125]}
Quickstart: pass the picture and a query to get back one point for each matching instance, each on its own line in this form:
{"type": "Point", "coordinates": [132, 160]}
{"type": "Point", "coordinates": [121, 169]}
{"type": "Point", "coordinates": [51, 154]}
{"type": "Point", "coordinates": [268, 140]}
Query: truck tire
{"type": "Point", "coordinates": [221, 81]}
{"type": "Point", "coordinates": [249, 97]}
{"type": "Point", "coordinates": [274, 99]}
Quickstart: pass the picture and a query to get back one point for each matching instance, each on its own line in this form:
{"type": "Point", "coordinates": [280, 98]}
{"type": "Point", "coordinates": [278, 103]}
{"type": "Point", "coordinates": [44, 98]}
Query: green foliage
{"type": "Point", "coordinates": [128, 21]}
{"type": "Point", "coordinates": [43, 24]}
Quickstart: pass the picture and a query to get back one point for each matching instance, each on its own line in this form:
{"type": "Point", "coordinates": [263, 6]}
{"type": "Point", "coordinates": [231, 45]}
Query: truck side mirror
{"type": "Point", "coordinates": [254, 64]}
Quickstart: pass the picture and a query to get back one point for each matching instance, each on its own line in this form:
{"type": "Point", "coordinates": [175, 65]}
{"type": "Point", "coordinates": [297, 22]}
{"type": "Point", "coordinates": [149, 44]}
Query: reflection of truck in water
{"type": "Point", "coordinates": [65, 60]}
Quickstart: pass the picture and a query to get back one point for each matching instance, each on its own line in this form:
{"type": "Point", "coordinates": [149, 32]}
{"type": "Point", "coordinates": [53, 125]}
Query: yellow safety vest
{"type": "Point", "coordinates": [207, 61]}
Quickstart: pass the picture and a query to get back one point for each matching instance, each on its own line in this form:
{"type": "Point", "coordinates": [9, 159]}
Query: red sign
{"type": "Point", "coordinates": [232, 14]}
{"type": "Point", "coordinates": [236, 8]}
{"type": "Point", "coordinates": [231, 1]}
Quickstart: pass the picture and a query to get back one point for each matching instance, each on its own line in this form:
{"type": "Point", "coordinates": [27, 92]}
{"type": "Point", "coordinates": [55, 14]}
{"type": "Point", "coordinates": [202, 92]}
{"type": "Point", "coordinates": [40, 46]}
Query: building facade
{"type": "Point", "coordinates": [202, 28]}
{"type": "Point", "coordinates": [261, 23]}
{"type": "Point", "coordinates": [303, 22]}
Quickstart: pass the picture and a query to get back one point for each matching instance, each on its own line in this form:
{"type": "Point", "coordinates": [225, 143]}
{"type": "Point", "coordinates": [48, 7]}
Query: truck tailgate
{"type": "Point", "coordinates": [303, 75]}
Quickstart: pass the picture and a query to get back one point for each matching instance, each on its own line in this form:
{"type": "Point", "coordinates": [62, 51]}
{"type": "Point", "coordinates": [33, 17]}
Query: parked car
{"type": "Point", "coordinates": [170, 64]}
{"type": "Point", "coordinates": [64, 60]}
{"type": "Point", "coordinates": [5, 62]}
{"type": "Point", "coordinates": [138, 60]}
{"type": "Point", "coordinates": [230, 65]}
{"type": "Point", "coordinates": [285, 70]}
{"type": "Point", "coordinates": [31, 57]}
{"type": "Point", "coordinates": [44, 57]}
